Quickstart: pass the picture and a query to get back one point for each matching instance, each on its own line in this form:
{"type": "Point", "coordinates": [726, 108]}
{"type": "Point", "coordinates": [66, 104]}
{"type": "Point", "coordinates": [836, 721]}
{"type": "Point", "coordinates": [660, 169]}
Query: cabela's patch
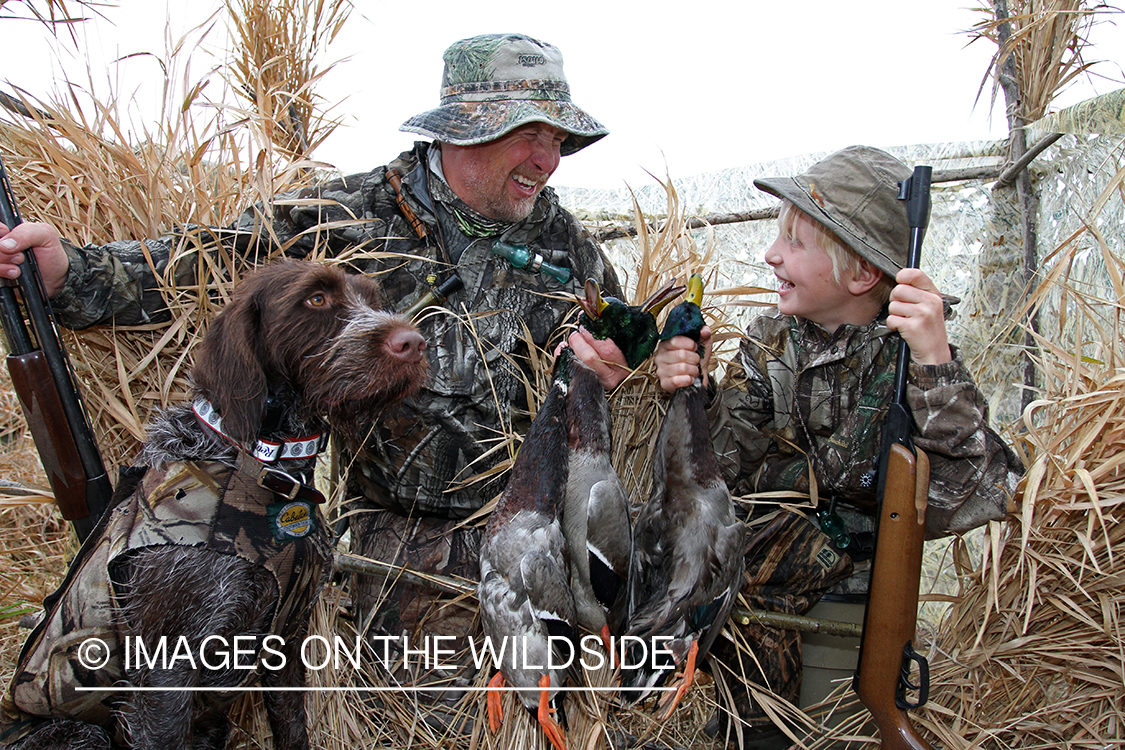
{"type": "Point", "coordinates": [292, 520]}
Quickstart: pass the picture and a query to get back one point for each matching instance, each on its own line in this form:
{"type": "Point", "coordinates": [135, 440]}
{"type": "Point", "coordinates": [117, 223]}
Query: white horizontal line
{"type": "Point", "coordinates": [355, 689]}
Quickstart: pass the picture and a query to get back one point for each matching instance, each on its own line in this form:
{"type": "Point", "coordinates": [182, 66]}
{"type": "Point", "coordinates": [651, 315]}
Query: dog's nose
{"type": "Point", "coordinates": [406, 344]}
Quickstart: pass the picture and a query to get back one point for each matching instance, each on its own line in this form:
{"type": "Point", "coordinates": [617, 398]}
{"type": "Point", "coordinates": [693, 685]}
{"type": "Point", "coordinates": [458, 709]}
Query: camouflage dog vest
{"type": "Point", "coordinates": [78, 644]}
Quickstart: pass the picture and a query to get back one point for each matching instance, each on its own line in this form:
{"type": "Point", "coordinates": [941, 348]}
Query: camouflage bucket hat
{"type": "Point", "coordinates": [495, 83]}
{"type": "Point", "coordinates": [854, 192]}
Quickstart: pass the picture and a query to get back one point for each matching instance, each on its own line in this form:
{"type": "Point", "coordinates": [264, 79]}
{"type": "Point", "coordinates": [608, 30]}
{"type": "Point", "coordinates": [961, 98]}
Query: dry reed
{"type": "Point", "coordinates": [1048, 38]}
{"type": "Point", "coordinates": [73, 166]}
{"type": "Point", "coordinates": [64, 14]}
{"type": "Point", "coordinates": [1033, 649]}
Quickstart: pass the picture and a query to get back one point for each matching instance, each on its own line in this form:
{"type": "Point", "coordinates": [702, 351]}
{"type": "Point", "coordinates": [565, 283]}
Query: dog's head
{"type": "Point", "coordinates": [312, 331]}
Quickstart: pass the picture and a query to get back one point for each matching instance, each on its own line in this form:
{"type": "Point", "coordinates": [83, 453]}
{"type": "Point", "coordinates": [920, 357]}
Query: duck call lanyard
{"type": "Point", "coordinates": [438, 293]}
{"type": "Point", "coordinates": [394, 179]}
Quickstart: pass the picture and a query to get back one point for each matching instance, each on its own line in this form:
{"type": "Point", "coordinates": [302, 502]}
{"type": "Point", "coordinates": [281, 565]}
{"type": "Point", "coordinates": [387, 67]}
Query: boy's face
{"type": "Point", "coordinates": [806, 286]}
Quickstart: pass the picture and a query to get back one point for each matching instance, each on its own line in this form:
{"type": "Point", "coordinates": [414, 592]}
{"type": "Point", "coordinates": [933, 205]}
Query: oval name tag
{"type": "Point", "coordinates": [292, 520]}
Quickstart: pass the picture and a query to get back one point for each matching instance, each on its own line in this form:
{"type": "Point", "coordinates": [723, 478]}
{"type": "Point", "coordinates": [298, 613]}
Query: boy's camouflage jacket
{"type": "Point", "coordinates": [796, 390]}
{"type": "Point", "coordinates": [477, 349]}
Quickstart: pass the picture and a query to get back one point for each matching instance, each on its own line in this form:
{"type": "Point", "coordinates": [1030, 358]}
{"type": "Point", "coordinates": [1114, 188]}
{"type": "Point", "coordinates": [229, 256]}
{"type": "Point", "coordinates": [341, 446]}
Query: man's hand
{"type": "Point", "coordinates": [678, 363]}
{"type": "Point", "coordinates": [43, 240]}
{"type": "Point", "coordinates": [600, 355]}
{"type": "Point", "coordinates": [917, 313]}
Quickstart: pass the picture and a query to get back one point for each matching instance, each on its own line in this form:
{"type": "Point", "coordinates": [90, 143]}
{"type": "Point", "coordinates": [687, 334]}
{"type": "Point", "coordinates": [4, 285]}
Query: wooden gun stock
{"type": "Point", "coordinates": [49, 429]}
{"type": "Point", "coordinates": [887, 652]}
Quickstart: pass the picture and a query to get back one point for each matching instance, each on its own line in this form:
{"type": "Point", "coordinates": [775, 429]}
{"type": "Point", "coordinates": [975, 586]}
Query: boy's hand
{"type": "Point", "coordinates": [44, 241]}
{"type": "Point", "coordinates": [917, 313]}
{"type": "Point", "coordinates": [600, 355]}
{"type": "Point", "coordinates": [678, 363]}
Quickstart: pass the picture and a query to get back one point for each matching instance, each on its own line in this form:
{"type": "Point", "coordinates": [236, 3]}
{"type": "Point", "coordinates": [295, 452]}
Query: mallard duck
{"type": "Point", "coordinates": [688, 544]}
{"type": "Point", "coordinates": [596, 516]}
{"type": "Point", "coordinates": [526, 604]}
{"type": "Point", "coordinates": [596, 521]}
{"type": "Point", "coordinates": [632, 327]}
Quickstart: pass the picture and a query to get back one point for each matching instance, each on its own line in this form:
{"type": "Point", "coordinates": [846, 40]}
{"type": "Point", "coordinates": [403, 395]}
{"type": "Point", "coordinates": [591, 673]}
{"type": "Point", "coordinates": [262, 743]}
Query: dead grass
{"type": "Point", "coordinates": [1033, 644]}
{"type": "Point", "coordinates": [73, 166]}
{"type": "Point", "coordinates": [1047, 43]}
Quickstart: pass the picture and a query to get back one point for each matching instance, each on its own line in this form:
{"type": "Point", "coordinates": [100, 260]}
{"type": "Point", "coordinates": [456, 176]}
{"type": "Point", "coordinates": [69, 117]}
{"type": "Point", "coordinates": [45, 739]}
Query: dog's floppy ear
{"type": "Point", "coordinates": [229, 371]}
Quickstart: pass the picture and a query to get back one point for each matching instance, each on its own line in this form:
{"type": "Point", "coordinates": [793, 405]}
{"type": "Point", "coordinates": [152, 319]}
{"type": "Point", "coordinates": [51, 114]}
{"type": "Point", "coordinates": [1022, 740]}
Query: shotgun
{"type": "Point", "coordinates": [886, 654]}
{"type": "Point", "coordinates": [45, 385]}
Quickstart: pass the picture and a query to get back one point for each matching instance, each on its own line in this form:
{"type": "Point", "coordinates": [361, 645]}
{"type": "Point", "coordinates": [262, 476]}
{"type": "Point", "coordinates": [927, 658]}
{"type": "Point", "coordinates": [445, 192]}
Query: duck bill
{"type": "Point", "coordinates": [695, 290]}
{"type": "Point", "coordinates": [593, 303]}
{"type": "Point", "coordinates": [662, 296]}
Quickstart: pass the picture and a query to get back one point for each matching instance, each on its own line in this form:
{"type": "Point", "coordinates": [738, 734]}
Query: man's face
{"type": "Point", "coordinates": [502, 178]}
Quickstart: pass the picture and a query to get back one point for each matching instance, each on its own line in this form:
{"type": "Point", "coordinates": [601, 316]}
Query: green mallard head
{"type": "Point", "coordinates": [561, 371]}
{"type": "Point", "coordinates": [633, 328]}
{"type": "Point", "coordinates": [686, 318]}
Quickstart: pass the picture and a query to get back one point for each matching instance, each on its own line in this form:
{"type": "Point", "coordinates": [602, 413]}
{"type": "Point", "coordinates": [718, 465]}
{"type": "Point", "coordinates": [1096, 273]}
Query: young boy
{"type": "Point", "coordinates": [807, 393]}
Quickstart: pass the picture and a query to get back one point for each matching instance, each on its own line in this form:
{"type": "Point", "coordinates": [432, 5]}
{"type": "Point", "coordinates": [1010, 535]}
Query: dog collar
{"type": "Point", "coordinates": [266, 451]}
{"type": "Point", "coordinates": [278, 482]}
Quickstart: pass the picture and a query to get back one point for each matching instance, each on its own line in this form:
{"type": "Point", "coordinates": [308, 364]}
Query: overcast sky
{"type": "Point", "coordinates": [683, 91]}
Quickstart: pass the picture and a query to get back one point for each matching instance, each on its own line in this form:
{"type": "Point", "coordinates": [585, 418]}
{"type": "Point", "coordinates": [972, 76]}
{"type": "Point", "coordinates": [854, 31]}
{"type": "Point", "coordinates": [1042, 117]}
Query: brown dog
{"type": "Point", "coordinates": [204, 577]}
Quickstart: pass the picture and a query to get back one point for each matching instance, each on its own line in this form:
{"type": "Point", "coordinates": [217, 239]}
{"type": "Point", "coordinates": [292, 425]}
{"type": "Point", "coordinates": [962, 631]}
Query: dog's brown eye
{"type": "Point", "coordinates": [317, 300]}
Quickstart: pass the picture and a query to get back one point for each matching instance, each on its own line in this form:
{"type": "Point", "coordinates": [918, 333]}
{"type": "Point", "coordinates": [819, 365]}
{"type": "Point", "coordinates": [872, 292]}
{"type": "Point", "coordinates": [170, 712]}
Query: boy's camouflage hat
{"type": "Point", "coordinates": [494, 83]}
{"type": "Point", "coordinates": [854, 192]}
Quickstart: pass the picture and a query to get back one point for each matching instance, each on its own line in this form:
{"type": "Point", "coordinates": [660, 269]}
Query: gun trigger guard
{"type": "Point", "coordinates": [909, 656]}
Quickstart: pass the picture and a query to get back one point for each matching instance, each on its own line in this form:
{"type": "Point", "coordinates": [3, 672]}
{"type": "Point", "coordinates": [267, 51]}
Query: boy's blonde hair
{"type": "Point", "coordinates": [844, 259]}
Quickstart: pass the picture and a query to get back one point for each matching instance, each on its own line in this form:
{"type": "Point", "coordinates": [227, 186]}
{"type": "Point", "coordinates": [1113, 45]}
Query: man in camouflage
{"type": "Point", "coordinates": [805, 398]}
{"type": "Point", "coordinates": [505, 120]}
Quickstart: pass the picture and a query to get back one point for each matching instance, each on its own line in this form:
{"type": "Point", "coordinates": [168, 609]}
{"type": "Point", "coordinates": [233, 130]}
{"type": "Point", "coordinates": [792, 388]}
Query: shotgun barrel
{"type": "Point", "coordinates": [45, 385]}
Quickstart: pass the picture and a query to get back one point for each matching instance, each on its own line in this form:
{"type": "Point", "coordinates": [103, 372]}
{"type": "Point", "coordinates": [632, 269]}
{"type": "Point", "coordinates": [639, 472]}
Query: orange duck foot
{"type": "Point", "coordinates": [607, 641]}
{"type": "Point", "coordinates": [495, 710]}
{"type": "Point", "coordinates": [551, 728]}
{"type": "Point", "coordinates": [670, 700]}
